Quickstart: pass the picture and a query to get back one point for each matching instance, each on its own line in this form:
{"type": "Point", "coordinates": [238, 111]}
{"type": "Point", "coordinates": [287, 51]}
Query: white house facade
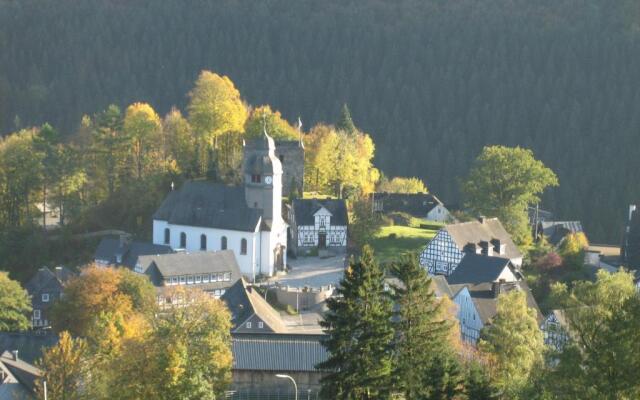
{"type": "Point", "coordinates": [444, 252]}
{"type": "Point", "coordinates": [439, 213]}
{"type": "Point", "coordinates": [206, 216]}
{"type": "Point", "coordinates": [318, 224]}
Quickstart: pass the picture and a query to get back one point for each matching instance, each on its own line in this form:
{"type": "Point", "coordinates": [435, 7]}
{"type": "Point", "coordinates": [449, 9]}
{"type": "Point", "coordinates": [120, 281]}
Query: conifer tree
{"type": "Point", "coordinates": [360, 333]}
{"type": "Point", "coordinates": [345, 123]}
{"type": "Point", "coordinates": [425, 366]}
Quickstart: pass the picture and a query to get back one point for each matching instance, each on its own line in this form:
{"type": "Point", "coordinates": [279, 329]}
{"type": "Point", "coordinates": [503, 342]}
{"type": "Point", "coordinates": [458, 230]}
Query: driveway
{"type": "Point", "coordinates": [313, 272]}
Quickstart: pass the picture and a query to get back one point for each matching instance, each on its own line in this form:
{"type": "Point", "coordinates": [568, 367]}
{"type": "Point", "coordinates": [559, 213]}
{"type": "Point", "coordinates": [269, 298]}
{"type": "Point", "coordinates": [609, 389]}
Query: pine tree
{"type": "Point", "coordinates": [425, 366]}
{"type": "Point", "coordinates": [345, 123]}
{"type": "Point", "coordinates": [360, 333]}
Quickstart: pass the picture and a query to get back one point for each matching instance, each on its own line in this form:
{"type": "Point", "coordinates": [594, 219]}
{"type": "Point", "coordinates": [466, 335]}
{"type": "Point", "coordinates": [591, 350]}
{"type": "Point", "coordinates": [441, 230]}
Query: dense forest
{"type": "Point", "coordinates": [432, 81]}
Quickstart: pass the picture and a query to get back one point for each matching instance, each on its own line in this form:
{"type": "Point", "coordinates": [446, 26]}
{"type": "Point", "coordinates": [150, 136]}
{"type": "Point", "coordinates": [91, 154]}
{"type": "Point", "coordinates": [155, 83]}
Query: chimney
{"type": "Point", "coordinates": [498, 288]}
{"type": "Point", "coordinates": [15, 355]}
{"type": "Point", "coordinates": [472, 248]}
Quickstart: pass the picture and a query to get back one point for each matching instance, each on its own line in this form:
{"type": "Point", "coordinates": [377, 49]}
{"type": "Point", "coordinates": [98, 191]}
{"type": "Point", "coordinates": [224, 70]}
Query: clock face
{"type": "Point", "coordinates": [268, 180]}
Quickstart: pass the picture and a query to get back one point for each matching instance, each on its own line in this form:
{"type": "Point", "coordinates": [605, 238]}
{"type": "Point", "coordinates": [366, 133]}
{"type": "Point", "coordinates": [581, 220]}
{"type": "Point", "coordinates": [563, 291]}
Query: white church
{"type": "Point", "coordinates": [247, 219]}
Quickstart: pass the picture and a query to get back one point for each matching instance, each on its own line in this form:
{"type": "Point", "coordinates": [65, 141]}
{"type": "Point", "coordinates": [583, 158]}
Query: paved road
{"type": "Point", "coordinates": [313, 272]}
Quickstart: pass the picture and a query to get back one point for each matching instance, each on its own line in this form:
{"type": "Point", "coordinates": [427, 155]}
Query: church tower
{"type": "Point", "coordinates": [262, 172]}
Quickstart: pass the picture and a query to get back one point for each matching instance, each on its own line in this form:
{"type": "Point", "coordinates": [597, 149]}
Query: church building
{"type": "Point", "coordinates": [247, 219]}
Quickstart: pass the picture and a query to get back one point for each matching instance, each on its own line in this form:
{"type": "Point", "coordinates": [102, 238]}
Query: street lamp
{"type": "Point", "coordinates": [283, 376]}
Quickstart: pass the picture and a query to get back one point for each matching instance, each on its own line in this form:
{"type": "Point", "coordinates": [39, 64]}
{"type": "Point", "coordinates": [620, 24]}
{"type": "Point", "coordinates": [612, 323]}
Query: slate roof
{"type": "Point", "coordinates": [200, 262]}
{"type": "Point", "coordinates": [441, 286]}
{"type": "Point", "coordinates": [45, 276]}
{"type": "Point", "coordinates": [304, 210]}
{"type": "Point", "coordinates": [109, 248]}
{"type": "Point", "coordinates": [237, 301]}
{"type": "Point", "coordinates": [29, 344]}
{"type": "Point", "coordinates": [263, 310]}
{"type": "Point", "coordinates": [542, 215]}
{"type": "Point", "coordinates": [299, 353]}
{"type": "Point", "coordinates": [211, 205]}
{"type": "Point", "coordinates": [24, 372]}
{"type": "Point", "coordinates": [477, 274]}
{"type": "Point", "coordinates": [476, 268]}
{"type": "Point", "coordinates": [556, 231]}
{"type": "Point", "coordinates": [415, 204]}
{"type": "Point", "coordinates": [476, 231]}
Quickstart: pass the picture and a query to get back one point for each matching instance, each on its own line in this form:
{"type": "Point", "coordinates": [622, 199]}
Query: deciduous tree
{"type": "Point", "coordinates": [262, 118]}
{"type": "Point", "coordinates": [402, 185]}
{"type": "Point", "coordinates": [143, 128]}
{"type": "Point", "coordinates": [503, 182]}
{"type": "Point", "coordinates": [15, 305]}
{"type": "Point", "coordinates": [65, 367]}
{"type": "Point", "coordinates": [513, 343]}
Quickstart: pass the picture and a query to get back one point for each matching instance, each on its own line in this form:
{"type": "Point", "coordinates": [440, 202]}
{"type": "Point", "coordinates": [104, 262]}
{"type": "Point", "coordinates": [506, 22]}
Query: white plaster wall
{"type": "Point", "coordinates": [214, 236]}
{"type": "Point", "coordinates": [306, 229]}
{"type": "Point", "coordinates": [507, 275]}
{"type": "Point", "coordinates": [439, 213]}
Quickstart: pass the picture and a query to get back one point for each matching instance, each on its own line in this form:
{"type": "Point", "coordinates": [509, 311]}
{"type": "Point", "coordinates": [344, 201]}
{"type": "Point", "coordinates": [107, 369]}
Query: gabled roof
{"type": "Point", "coordinates": [441, 287]}
{"type": "Point", "coordinates": [415, 204]}
{"type": "Point", "coordinates": [305, 209]}
{"type": "Point", "coordinates": [277, 352]}
{"type": "Point", "coordinates": [24, 372]}
{"type": "Point", "coordinates": [211, 205]}
{"type": "Point", "coordinates": [44, 277]}
{"type": "Point", "coordinates": [556, 231]}
{"type": "Point", "coordinates": [244, 302]}
{"type": "Point", "coordinates": [110, 248]}
{"type": "Point", "coordinates": [487, 230]}
{"type": "Point", "coordinates": [263, 310]}
{"type": "Point", "coordinates": [476, 268]}
{"type": "Point", "coordinates": [200, 262]}
{"type": "Point", "coordinates": [29, 344]}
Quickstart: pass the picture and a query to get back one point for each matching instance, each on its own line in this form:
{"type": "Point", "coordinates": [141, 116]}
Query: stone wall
{"type": "Point", "coordinates": [291, 155]}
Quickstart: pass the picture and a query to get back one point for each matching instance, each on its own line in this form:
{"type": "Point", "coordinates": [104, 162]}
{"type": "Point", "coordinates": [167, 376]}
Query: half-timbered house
{"type": "Point", "coordinates": [318, 224]}
{"type": "Point", "coordinates": [477, 283]}
{"type": "Point", "coordinates": [555, 330]}
{"type": "Point", "coordinates": [485, 236]}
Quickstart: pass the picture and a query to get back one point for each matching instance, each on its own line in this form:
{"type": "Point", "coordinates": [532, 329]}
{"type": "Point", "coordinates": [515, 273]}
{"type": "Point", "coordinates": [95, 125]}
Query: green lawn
{"type": "Point", "coordinates": [408, 239]}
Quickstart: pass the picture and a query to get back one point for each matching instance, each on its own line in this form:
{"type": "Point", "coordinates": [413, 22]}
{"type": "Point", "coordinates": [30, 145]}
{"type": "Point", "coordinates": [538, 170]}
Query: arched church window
{"type": "Point", "coordinates": [223, 243]}
{"type": "Point", "coordinates": [183, 240]}
{"type": "Point", "coordinates": [243, 246]}
{"type": "Point", "coordinates": [203, 242]}
{"type": "Point", "coordinates": [167, 236]}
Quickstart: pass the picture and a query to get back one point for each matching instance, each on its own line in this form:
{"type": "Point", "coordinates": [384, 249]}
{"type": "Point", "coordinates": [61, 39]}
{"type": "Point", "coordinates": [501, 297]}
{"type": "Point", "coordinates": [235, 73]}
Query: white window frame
{"type": "Point", "coordinates": [36, 315]}
{"type": "Point", "coordinates": [198, 278]}
{"type": "Point", "coordinates": [45, 297]}
{"type": "Point", "coordinates": [183, 280]}
{"type": "Point", "coordinates": [189, 279]}
{"type": "Point", "coordinates": [205, 278]}
{"type": "Point", "coordinates": [227, 276]}
{"type": "Point", "coordinates": [261, 325]}
{"type": "Point", "coordinates": [248, 325]}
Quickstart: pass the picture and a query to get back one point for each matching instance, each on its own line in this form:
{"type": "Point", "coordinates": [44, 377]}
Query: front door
{"type": "Point", "coordinates": [322, 240]}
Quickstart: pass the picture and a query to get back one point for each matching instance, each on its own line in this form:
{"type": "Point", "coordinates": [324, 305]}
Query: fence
{"type": "Point", "coordinates": [272, 394]}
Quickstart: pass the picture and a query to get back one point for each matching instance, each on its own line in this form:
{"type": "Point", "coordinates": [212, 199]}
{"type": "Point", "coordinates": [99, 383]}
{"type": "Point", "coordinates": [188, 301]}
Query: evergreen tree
{"type": "Point", "coordinates": [360, 333]}
{"type": "Point", "coordinates": [345, 123]}
{"type": "Point", "coordinates": [425, 366]}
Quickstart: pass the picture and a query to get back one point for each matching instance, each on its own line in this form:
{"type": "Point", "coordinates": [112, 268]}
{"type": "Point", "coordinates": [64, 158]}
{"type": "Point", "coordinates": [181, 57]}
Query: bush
{"type": "Point", "coordinates": [400, 218]}
{"type": "Point", "coordinates": [393, 236]}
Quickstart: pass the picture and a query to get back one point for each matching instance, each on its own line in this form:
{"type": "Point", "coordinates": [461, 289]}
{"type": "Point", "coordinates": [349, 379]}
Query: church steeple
{"type": "Point", "coordinates": [262, 172]}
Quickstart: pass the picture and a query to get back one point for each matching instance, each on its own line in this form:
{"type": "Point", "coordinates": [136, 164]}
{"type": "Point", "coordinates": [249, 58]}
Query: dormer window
{"type": "Point", "coordinates": [256, 178]}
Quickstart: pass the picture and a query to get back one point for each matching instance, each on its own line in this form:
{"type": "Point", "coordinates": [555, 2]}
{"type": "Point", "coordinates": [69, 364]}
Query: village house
{"type": "Point", "coordinates": [419, 205]}
{"type": "Point", "coordinates": [555, 329]}
{"type": "Point", "coordinates": [121, 251]}
{"type": "Point", "coordinates": [477, 283]}
{"type": "Point", "coordinates": [247, 219]}
{"type": "Point", "coordinates": [556, 231]}
{"type": "Point", "coordinates": [318, 225]}
{"type": "Point", "coordinates": [17, 377]}
{"type": "Point", "coordinates": [44, 288]}
{"type": "Point", "coordinates": [211, 272]}
{"type": "Point", "coordinates": [485, 236]}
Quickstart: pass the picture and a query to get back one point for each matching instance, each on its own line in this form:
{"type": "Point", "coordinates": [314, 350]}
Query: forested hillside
{"type": "Point", "coordinates": [431, 80]}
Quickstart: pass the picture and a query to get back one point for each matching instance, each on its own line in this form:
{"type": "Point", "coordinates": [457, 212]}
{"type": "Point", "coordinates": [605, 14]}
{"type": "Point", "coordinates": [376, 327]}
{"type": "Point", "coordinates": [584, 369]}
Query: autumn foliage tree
{"type": "Point", "coordinates": [142, 126]}
{"type": "Point", "coordinates": [66, 368]}
{"type": "Point", "coordinates": [15, 305]}
{"type": "Point", "coordinates": [402, 185]}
